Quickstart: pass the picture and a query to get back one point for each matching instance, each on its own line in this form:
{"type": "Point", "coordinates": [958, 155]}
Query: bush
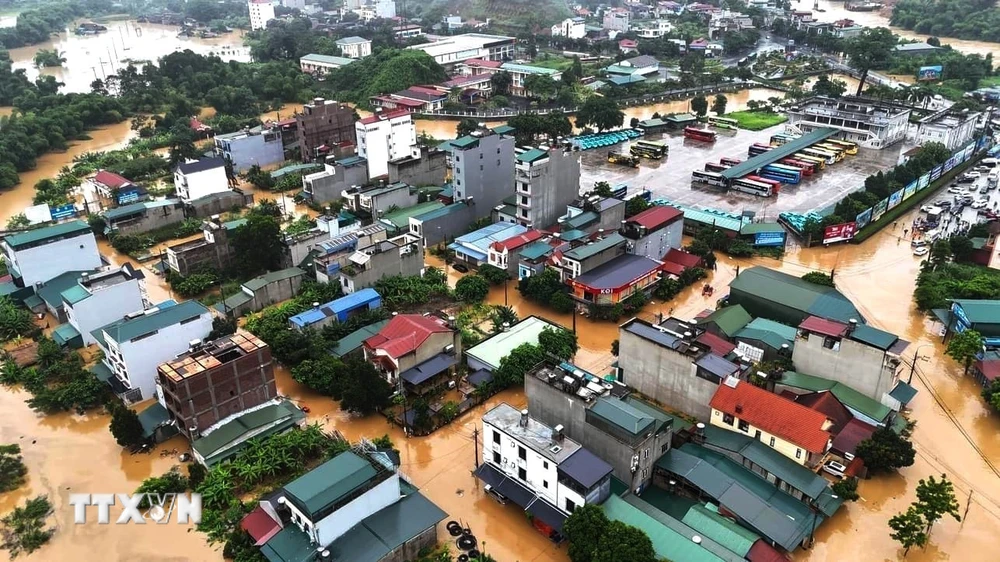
{"type": "Point", "coordinates": [493, 274]}
{"type": "Point", "coordinates": [818, 278]}
{"type": "Point", "coordinates": [472, 289]}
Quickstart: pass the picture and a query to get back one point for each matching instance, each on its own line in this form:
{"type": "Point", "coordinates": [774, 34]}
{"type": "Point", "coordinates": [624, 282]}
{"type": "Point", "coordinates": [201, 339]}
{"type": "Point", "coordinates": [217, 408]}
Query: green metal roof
{"type": "Point", "coordinates": [234, 224]}
{"type": "Point", "coordinates": [532, 155]}
{"type": "Point", "coordinates": [680, 118]}
{"type": "Point", "coordinates": [291, 544]}
{"type": "Point", "coordinates": [619, 69]}
{"type": "Point", "coordinates": [258, 283]}
{"type": "Point", "coordinates": [622, 415]}
{"type": "Point", "coordinates": [758, 227]}
{"type": "Point", "coordinates": [75, 294]}
{"type": "Point", "coordinates": [33, 301]}
{"type": "Point", "coordinates": [873, 336]}
{"type": "Point", "coordinates": [232, 302]}
{"type": "Point", "coordinates": [226, 440]}
{"type": "Point", "coordinates": [51, 291]}
{"type": "Point", "coordinates": [721, 530]}
{"type": "Point", "coordinates": [468, 141]}
{"type": "Point", "coordinates": [781, 291]}
{"type": "Point", "coordinates": [754, 163]}
{"type": "Point", "coordinates": [535, 250]}
{"type": "Point", "coordinates": [980, 311]}
{"type": "Point", "coordinates": [38, 235]}
{"type": "Point", "coordinates": [331, 481]}
{"type": "Point", "coordinates": [355, 339]}
{"type": "Point", "coordinates": [65, 334]}
{"type": "Point", "coordinates": [387, 529]}
{"type": "Point", "coordinates": [138, 208]}
{"type": "Point", "coordinates": [581, 220]}
{"type": "Point", "coordinates": [572, 235]}
{"type": "Point", "coordinates": [663, 418]}
{"type": "Point", "coordinates": [442, 212]}
{"type": "Point", "coordinates": [903, 392]}
{"type": "Point", "coordinates": [401, 219]}
{"type": "Point", "coordinates": [581, 253]}
{"type": "Point", "coordinates": [504, 130]}
{"type": "Point", "coordinates": [327, 59]}
{"type": "Point", "coordinates": [667, 543]}
{"type": "Point", "coordinates": [153, 417]}
{"type": "Point", "coordinates": [491, 350]}
{"type": "Point", "coordinates": [131, 328]}
{"type": "Point", "coordinates": [847, 395]}
{"type": "Point", "coordinates": [770, 332]}
{"type": "Point", "coordinates": [730, 319]}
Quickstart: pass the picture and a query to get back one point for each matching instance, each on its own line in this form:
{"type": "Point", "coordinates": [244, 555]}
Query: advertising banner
{"type": "Point", "coordinates": [879, 209]}
{"type": "Point", "coordinates": [929, 73]}
{"type": "Point", "coordinates": [924, 181]}
{"type": "Point", "coordinates": [63, 212]}
{"type": "Point", "coordinates": [950, 163]}
{"type": "Point", "coordinates": [896, 198]}
{"type": "Point", "coordinates": [839, 232]}
{"type": "Point", "coordinates": [769, 239]}
{"type": "Point", "coordinates": [863, 219]}
{"type": "Point", "coordinates": [936, 172]}
{"type": "Point", "coordinates": [961, 320]}
{"type": "Point", "coordinates": [967, 153]}
{"type": "Point", "coordinates": [910, 190]}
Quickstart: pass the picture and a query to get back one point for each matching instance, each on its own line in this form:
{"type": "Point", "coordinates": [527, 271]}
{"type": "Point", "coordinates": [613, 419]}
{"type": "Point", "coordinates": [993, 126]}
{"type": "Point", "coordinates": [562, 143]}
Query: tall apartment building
{"type": "Point", "coordinates": [385, 9]}
{"type": "Point", "coordinates": [216, 380]}
{"type": "Point", "coordinates": [36, 256]}
{"type": "Point", "coordinates": [546, 181]}
{"type": "Point", "coordinates": [571, 28]}
{"type": "Point", "coordinates": [251, 147]}
{"type": "Point", "coordinates": [261, 12]}
{"type": "Point", "coordinates": [383, 137]}
{"type": "Point", "coordinates": [483, 168]}
{"type": "Point", "coordinates": [323, 123]}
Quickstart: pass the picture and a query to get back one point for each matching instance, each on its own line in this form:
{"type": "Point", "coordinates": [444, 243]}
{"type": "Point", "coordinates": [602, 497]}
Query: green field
{"type": "Point", "coordinates": [555, 62]}
{"type": "Point", "coordinates": [757, 120]}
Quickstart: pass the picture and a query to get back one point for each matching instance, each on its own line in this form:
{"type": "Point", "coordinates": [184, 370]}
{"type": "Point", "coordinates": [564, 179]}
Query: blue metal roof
{"type": "Point", "coordinates": [364, 297]}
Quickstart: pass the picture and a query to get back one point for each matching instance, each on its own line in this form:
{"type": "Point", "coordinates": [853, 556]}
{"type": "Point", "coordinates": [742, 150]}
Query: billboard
{"type": "Point", "coordinates": [63, 212]}
{"type": "Point", "coordinates": [936, 172]}
{"type": "Point", "coordinates": [924, 181]}
{"type": "Point", "coordinates": [879, 209]}
{"type": "Point", "coordinates": [961, 320]}
{"type": "Point", "coordinates": [910, 190]}
{"type": "Point", "coordinates": [950, 163]}
{"type": "Point", "coordinates": [769, 239]}
{"type": "Point", "coordinates": [929, 72]}
{"type": "Point", "coordinates": [839, 232]}
{"type": "Point", "coordinates": [863, 219]}
{"type": "Point", "coordinates": [967, 153]}
{"type": "Point", "coordinates": [896, 198]}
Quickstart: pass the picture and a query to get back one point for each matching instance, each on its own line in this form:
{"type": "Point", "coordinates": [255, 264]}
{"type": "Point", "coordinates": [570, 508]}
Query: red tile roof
{"type": "Point", "coordinates": [110, 179]}
{"type": "Point", "coordinates": [828, 405]}
{"type": "Point", "coordinates": [383, 116]}
{"type": "Point", "coordinates": [515, 242]}
{"type": "Point", "coordinates": [483, 63]}
{"type": "Point", "coordinates": [853, 433]}
{"type": "Point", "coordinates": [989, 369]}
{"type": "Point", "coordinates": [716, 344]}
{"type": "Point", "coordinates": [824, 326]}
{"type": "Point", "coordinates": [405, 333]}
{"type": "Point", "coordinates": [682, 258]}
{"type": "Point", "coordinates": [656, 216]}
{"type": "Point", "coordinates": [399, 101]}
{"type": "Point", "coordinates": [260, 526]}
{"type": "Point", "coordinates": [627, 44]}
{"type": "Point", "coordinates": [774, 414]}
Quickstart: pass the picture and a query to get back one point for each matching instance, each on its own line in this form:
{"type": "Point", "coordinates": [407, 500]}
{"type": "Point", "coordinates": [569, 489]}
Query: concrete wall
{"type": "Point", "coordinates": [855, 364]}
{"type": "Point", "coordinates": [328, 185]}
{"type": "Point", "coordinates": [323, 122]}
{"type": "Point", "coordinates": [103, 307]}
{"type": "Point", "coordinates": [432, 346]}
{"type": "Point", "coordinates": [41, 263]}
{"type": "Point", "coordinates": [385, 264]}
{"type": "Point", "coordinates": [151, 219]}
{"type": "Point", "coordinates": [445, 227]}
{"type": "Point", "coordinates": [664, 375]}
{"type": "Point", "coordinates": [610, 218]}
{"type": "Point", "coordinates": [263, 149]}
{"type": "Point", "coordinates": [339, 522]}
{"type": "Point", "coordinates": [656, 244]}
{"type": "Point", "coordinates": [425, 166]}
{"type": "Point", "coordinates": [277, 291]}
{"type": "Point", "coordinates": [485, 172]}
{"type": "Point", "coordinates": [400, 198]}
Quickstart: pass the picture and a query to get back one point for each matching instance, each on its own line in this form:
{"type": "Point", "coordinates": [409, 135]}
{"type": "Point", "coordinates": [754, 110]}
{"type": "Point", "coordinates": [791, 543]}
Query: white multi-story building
{"type": "Point", "coordinates": [383, 137]}
{"type": "Point", "coordinates": [571, 28]}
{"type": "Point", "coordinates": [868, 122]}
{"type": "Point", "coordinates": [101, 298]}
{"type": "Point", "coordinates": [261, 12]}
{"type": "Point", "coordinates": [385, 9]}
{"type": "Point", "coordinates": [538, 467]}
{"type": "Point", "coordinates": [136, 344]}
{"type": "Point", "coordinates": [194, 179]}
{"type": "Point", "coordinates": [36, 256]}
{"type": "Point", "coordinates": [652, 29]}
{"type": "Point", "coordinates": [355, 47]}
{"type": "Point", "coordinates": [459, 48]}
{"type": "Point", "coordinates": [951, 128]}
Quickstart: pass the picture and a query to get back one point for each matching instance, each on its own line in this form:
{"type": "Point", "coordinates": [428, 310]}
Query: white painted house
{"type": "Point", "coordinates": [36, 256]}
{"type": "Point", "coordinates": [383, 137]}
{"type": "Point", "coordinates": [571, 28]}
{"type": "Point", "coordinates": [104, 297]}
{"type": "Point", "coordinates": [261, 12]}
{"type": "Point", "coordinates": [195, 179]}
{"type": "Point", "coordinates": [355, 47]}
{"type": "Point", "coordinates": [136, 344]}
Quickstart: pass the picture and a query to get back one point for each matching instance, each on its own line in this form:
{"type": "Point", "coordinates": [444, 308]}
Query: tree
{"type": "Point", "coordinates": [466, 126]}
{"type": "Point", "coordinates": [472, 289]}
{"type": "Point", "coordinates": [517, 364]}
{"type": "Point", "coordinates": [847, 489]}
{"type": "Point", "coordinates": [992, 394]}
{"type": "Point", "coordinates": [541, 86]}
{"type": "Point", "coordinates": [699, 105]}
{"type": "Point", "coordinates": [824, 86]}
{"type": "Point", "coordinates": [908, 529]}
{"type": "Point", "coordinates": [620, 541]}
{"type": "Point", "coordinates": [15, 321]}
{"type": "Point", "coordinates": [559, 342]}
{"type": "Point", "coordinates": [196, 474]}
{"type": "Point", "coordinates": [12, 469]}
{"type": "Point", "coordinates": [961, 249]}
{"type": "Point", "coordinates": [125, 426]}
{"type": "Point", "coordinates": [23, 529]}
{"type": "Point", "coordinates": [171, 482]}
{"type": "Point", "coordinates": [614, 347]}
{"type": "Point", "coordinates": [719, 104]}
{"type": "Point", "coordinates": [885, 451]}
{"type": "Point", "coordinates": [258, 243]}
{"type": "Point", "coordinates": [503, 315]}
{"type": "Point", "coordinates": [869, 50]}
{"type": "Point", "coordinates": [583, 529]}
{"type": "Point", "coordinates": [935, 499]}
{"type": "Point", "coordinates": [601, 112]}
{"type": "Point", "coordinates": [493, 274]}
{"type": "Point", "coordinates": [574, 73]}
{"type": "Point", "coordinates": [964, 347]}
{"type": "Point", "coordinates": [325, 375]}
{"type": "Point", "coordinates": [818, 278]}
{"type": "Point", "coordinates": [501, 83]}
{"type": "Point", "coordinates": [603, 189]}
{"type": "Point", "coordinates": [366, 391]}
{"type": "Point", "coordinates": [18, 221]}
{"type": "Point", "coordinates": [636, 205]}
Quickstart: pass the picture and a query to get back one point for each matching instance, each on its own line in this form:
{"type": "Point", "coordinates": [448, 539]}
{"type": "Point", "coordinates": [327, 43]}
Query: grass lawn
{"type": "Point", "coordinates": [757, 120]}
{"type": "Point", "coordinates": [989, 81]}
{"type": "Point", "coordinates": [554, 62]}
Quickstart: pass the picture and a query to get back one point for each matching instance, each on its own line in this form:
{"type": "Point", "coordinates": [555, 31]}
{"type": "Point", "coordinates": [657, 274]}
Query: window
{"type": "Point", "coordinates": [545, 465]}
{"type": "Point", "coordinates": [832, 343]}
{"type": "Point", "coordinates": [496, 437]}
{"type": "Point", "coordinates": [771, 442]}
{"type": "Point", "coordinates": [480, 167]}
{"type": "Point", "coordinates": [664, 447]}
{"type": "Point", "coordinates": [744, 426]}
{"type": "Point", "coordinates": [570, 506]}
{"type": "Point", "coordinates": [496, 458]}
{"type": "Point", "coordinates": [756, 435]}
{"type": "Point", "coordinates": [522, 474]}
{"type": "Point", "coordinates": [727, 419]}
{"type": "Point", "coordinates": [480, 155]}
{"type": "Point", "coordinates": [545, 484]}
{"type": "Point", "coordinates": [522, 453]}
{"type": "Point", "coordinates": [798, 453]}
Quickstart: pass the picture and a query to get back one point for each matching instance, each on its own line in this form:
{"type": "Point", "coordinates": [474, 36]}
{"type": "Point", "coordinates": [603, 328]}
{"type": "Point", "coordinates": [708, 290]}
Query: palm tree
{"type": "Point", "coordinates": [502, 315]}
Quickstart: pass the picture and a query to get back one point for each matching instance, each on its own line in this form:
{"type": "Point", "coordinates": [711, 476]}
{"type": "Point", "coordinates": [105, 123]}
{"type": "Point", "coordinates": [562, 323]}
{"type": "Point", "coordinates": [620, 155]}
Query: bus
{"type": "Point", "coordinates": [805, 167]}
{"type": "Point", "coordinates": [826, 155]}
{"type": "Point", "coordinates": [714, 167]}
{"type": "Point", "coordinates": [848, 146]}
{"type": "Point", "coordinates": [836, 150]}
{"type": "Point", "coordinates": [623, 159]}
{"type": "Point", "coordinates": [703, 135]}
{"type": "Point", "coordinates": [753, 187]}
{"type": "Point", "coordinates": [757, 149]}
{"type": "Point", "coordinates": [781, 138]}
{"type": "Point", "coordinates": [723, 122]}
{"type": "Point", "coordinates": [794, 174]}
{"type": "Point", "coordinates": [803, 157]}
{"type": "Point", "coordinates": [775, 184]}
{"type": "Point", "coordinates": [730, 161]}
{"type": "Point", "coordinates": [710, 178]}
{"type": "Point", "coordinates": [648, 149]}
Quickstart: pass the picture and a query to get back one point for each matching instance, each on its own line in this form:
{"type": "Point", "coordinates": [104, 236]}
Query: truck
{"type": "Point", "coordinates": [623, 159]}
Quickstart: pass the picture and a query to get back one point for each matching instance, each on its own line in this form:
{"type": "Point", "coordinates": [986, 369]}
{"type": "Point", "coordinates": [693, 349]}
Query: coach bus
{"type": "Point", "coordinates": [838, 151]}
{"type": "Point", "coordinates": [710, 178]}
{"type": "Point", "coordinates": [729, 161]}
{"type": "Point", "coordinates": [648, 149]}
{"type": "Point", "coordinates": [757, 149]}
{"type": "Point", "coordinates": [781, 138]}
{"type": "Point", "coordinates": [806, 168]}
{"type": "Point", "coordinates": [723, 122]}
{"type": "Point", "coordinates": [849, 147]}
{"type": "Point", "coordinates": [781, 173]}
{"type": "Point", "coordinates": [803, 157]}
{"type": "Point", "coordinates": [715, 167]}
{"type": "Point", "coordinates": [703, 135]}
{"type": "Point", "coordinates": [826, 155]}
{"type": "Point", "coordinates": [754, 187]}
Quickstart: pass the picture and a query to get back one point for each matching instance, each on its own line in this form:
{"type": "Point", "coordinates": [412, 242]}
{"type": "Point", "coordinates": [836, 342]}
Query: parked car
{"type": "Point", "coordinates": [943, 204]}
{"type": "Point", "coordinates": [966, 179]}
{"type": "Point", "coordinates": [922, 251]}
{"type": "Point", "coordinates": [981, 204]}
{"type": "Point", "coordinates": [926, 209]}
{"type": "Point", "coordinates": [500, 498]}
{"type": "Point", "coordinates": [835, 468]}
{"type": "Point", "coordinates": [918, 243]}
{"type": "Point", "coordinates": [460, 268]}
{"type": "Point", "coordinates": [984, 189]}
{"type": "Point", "coordinates": [955, 189]}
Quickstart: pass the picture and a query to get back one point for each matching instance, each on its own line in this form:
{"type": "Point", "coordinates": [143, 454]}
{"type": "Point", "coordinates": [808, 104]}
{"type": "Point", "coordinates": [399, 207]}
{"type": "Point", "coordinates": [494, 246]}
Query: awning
{"type": "Point", "coordinates": [505, 485]}
{"type": "Point", "coordinates": [903, 393]}
{"type": "Point", "coordinates": [259, 525]}
{"type": "Point", "coordinates": [428, 369]}
{"type": "Point", "coordinates": [547, 513]}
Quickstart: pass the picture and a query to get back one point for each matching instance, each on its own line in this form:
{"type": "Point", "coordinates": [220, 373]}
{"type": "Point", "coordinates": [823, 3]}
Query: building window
{"type": "Point", "coordinates": [832, 343]}
{"type": "Point", "coordinates": [522, 453]}
{"type": "Point", "coordinates": [727, 419]}
{"type": "Point", "coordinates": [545, 484]}
{"type": "Point", "coordinates": [480, 167]}
{"type": "Point", "coordinates": [545, 465]}
{"type": "Point", "coordinates": [744, 426]}
{"type": "Point", "coordinates": [570, 506]}
{"type": "Point", "coordinates": [522, 474]}
{"type": "Point", "coordinates": [798, 453]}
{"type": "Point", "coordinates": [664, 447]}
{"type": "Point", "coordinates": [496, 437]}
{"type": "Point", "coordinates": [496, 458]}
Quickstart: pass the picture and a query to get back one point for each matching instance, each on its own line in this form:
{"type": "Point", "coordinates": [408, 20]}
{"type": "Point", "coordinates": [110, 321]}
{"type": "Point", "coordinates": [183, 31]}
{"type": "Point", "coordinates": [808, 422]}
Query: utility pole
{"type": "Point", "coordinates": [475, 441]}
{"type": "Point", "coordinates": [968, 503]}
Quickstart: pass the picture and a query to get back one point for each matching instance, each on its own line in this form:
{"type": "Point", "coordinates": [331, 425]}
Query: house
{"type": "Point", "coordinates": [262, 291]}
{"type": "Point", "coordinates": [413, 350]}
{"type": "Point", "coordinates": [329, 256]}
{"type": "Point", "coordinates": [628, 433]}
{"type": "Point", "coordinates": [616, 19]}
{"type": "Point", "coordinates": [593, 214]}
{"type": "Point", "coordinates": [337, 177]}
{"type": "Point", "coordinates": [725, 322]}
{"type": "Point", "coordinates": [628, 46]}
{"type": "Point", "coordinates": [415, 99]}
{"type": "Point", "coordinates": [652, 29]}
{"type": "Point", "coordinates": [519, 76]}
{"type": "Point", "coordinates": [472, 89]}
{"type": "Point", "coordinates": [120, 190]}
{"type": "Point", "coordinates": [398, 221]}
{"type": "Point", "coordinates": [616, 280]}
{"type": "Point", "coordinates": [251, 147]}
{"type": "Point", "coordinates": [136, 344]}
{"type": "Point", "coordinates": [675, 262]}
{"type": "Point", "coordinates": [643, 65]}
{"type": "Point", "coordinates": [378, 199]}
{"type": "Point", "coordinates": [654, 232]}
{"type": "Point", "coordinates": [299, 247]}
{"type": "Point", "coordinates": [423, 166]}
{"type": "Point", "coordinates": [792, 385]}
{"type": "Point", "coordinates": [487, 354]}
{"type": "Point", "coordinates": [337, 310]}
{"type": "Point", "coordinates": [504, 254]}
{"type": "Point", "coordinates": [213, 251]}
{"type": "Point", "coordinates": [401, 255]}
{"type": "Point", "coordinates": [213, 381]}
{"type": "Point", "coordinates": [352, 345]}
{"type": "Point", "coordinates": [794, 430]}
{"type": "Point", "coordinates": [533, 258]}
{"type": "Point", "coordinates": [765, 340]}
{"type": "Point", "coordinates": [868, 122]}
{"type": "Point", "coordinates": [143, 216]}
{"type": "Point", "coordinates": [321, 65]}
{"type": "Point", "coordinates": [785, 298]}
{"type": "Point", "coordinates": [383, 137]}
{"type": "Point", "coordinates": [38, 255]}
{"type": "Point", "coordinates": [226, 439]}
{"type": "Point", "coordinates": [99, 298]}
{"type": "Point", "coordinates": [593, 253]}
{"type": "Point", "coordinates": [474, 248]}
{"type": "Point", "coordinates": [47, 296]}
{"type": "Point", "coordinates": [355, 47]}
{"type": "Point", "coordinates": [406, 31]}
{"type": "Point", "coordinates": [444, 223]}
{"type": "Point", "coordinates": [570, 28]}
{"type": "Point", "coordinates": [457, 48]}
{"type": "Point", "coordinates": [546, 181]}
{"type": "Point", "coordinates": [322, 125]}
{"type": "Point", "coordinates": [538, 468]}
{"type": "Point", "coordinates": [981, 315]}
{"type": "Point", "coordinates": [355, 506]}
{"type": "Point", "coordinates": [478, 67]}
{"type": "Point", "coordinates": [916, 49]}
{"type": "Point", "coordinates": [194, 179]}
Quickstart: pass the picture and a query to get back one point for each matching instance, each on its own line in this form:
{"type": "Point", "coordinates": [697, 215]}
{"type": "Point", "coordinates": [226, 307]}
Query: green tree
{"type": "Point", "coordinates": [908, 529]}
{"type": "Point", "coordinates": [501, 82]}
{"type": "Point", "coordinates": [517, 364]}
{"type": "Point", "coordinates": [623, 542]}
{"type": "Point", "coordinates": [869, 50]}
{"type": "Point", "coordinates": [559, 342]}
{"type": "Point", "coordinates": [963, 347]}
{"type": "Point", "coordinates": [935, 499]}
{"type": "Point", "coordinates": [125, 426]}
{"type": "Point", "coordinates": [699, 105]}
{"type": "Point", "coordinates": [961, 249]}
{"type": "Point", "coordinates": [615, 347]}
{"type": "Point", "coordinates": [603, 189]}
{"type": "Point", "coordinates": [258, 243]}
{"type": "Point", "coordinates": [818, 278]}
{"type": "Point", "coordinates": [885, 451]}
{"type": "Point", "coordinates": [24, 530]}
{"type": "Point", "coordinates": [15, 321]}
{"type": "Point", "coordinates": [824, 86]}
{"type": "Point", "coordinates": [503, 315]}
{"type": "Point", "coordinates": [992, 394]}
{"type": "Point", "coordinates": [540, 86]}
{"type": "Point", "coordinates": [466, 126]}
{"type": "Point", "coordinates": [12, 469]}
{"type": "Point", "coordinates": [493, 274]}
{"type": "Point", "coordinates": [324, 374]}
{"type": "Point", "coordinates": [940, 252]}
{"type": "Point", "coordinates": [18, 221]}
{"type": "Point", "coordinates": [847, 488]}
{"type": "Point", "coordinates": [472, 289]}
{"type": "Point", "coordinates": [584, 529]}
{"type": "Point", "coordinates": [636, 205]}
{"type": "Point", "coordinates": [601, 112]}
{"type": "Point", "coordinates": [196, 474]}
{"type": "Point", "coordinates": [719, 104]}
{"type": "Point", "coordinates": [171, 482]}
{"type": "Point", "coordinates": [366, 391]}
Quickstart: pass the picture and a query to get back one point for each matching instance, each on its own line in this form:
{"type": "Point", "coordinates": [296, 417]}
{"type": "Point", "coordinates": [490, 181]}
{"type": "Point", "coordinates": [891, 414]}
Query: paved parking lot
{"type": "Point", "coordinates": [671, 178]}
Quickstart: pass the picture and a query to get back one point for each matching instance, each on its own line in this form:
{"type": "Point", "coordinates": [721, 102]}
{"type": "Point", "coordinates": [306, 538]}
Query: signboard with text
{"type": "Point", "coordinates": [863, 219]}
{"type": "Point", "coordinates": [769, 239]}
{"type": "Point", "coordinates": [929, 72]}
{"type": "Point", "coordinates": [924, 181]}
{"type": "Point", "coordinates": [839, 232]}
{"type": "Point", "coordinates": [936, 172]}
{"type": "Point", "coordinates": [896, 198]}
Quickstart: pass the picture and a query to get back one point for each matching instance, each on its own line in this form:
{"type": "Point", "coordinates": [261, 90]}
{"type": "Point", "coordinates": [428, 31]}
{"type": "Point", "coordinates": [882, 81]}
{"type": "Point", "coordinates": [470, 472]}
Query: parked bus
{"type": "Point", "coordinates": [619, 191]}
{"type": "Point", "coordinates": [648, 149]}
{"type": "Point", "coordinates": [849, 147]}
{"type": "Point", "coordinates": [623, 159]}
{"type": "Point", "coordinates": [785, 167]}
{"type": "Point", "coordinates": [781, 138]}
{"type": "Point", "coordinates": [730, 161]}
{"type": "Point", "coordinates": [710, 178]}
{"type": "Point", "coordinates": [757, 149]}
{"type": "Point", "coordinates": [775, 184]}
{"type": "Point", "coordinates": [753, 187]}
{"type": "Point", "coordinates": [819, 162]}
{"type": "Point", "coordinates": [723, 122]}
{"type": "Point", "coordinates": [838, 151]}
{"type": "Point", "coordinates": [826, 155]}
{"type": "Point", "coordinates": [703, 135]}
{"type": "Point", "coordinates": [805, 167]}
{"type": "Point", "coordinates": [781, 173]}
{"type": "Point", "coordinates": [715, 167]}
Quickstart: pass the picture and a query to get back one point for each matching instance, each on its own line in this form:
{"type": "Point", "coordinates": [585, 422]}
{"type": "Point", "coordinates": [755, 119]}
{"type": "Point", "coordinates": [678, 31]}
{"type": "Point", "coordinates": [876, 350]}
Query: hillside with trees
{"type": "Point", "coordinates": [965, 19]}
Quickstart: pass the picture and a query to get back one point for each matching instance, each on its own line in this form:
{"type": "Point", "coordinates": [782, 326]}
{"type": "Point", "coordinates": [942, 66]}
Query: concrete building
{"type": "Point", "coordinates": [870, 123]}
{"type": "Point", "coordinates": [135, 345]}
{"type": "Point", "coordinates": [617, 19]}
{"type": "Point", "coordinates": [300, 248]}
{"type": "Point", "coordinates": [917, 49]}
{"type": "Point", "coordinates": [950, 128]}
{"type": "Point", "coordinates": [546, 181]}
{"type": "Point", "coordinates": [212, 251]}
{"type": "Point", "coordinates": [385, 9]}
{"type": "Point", "coordinates": [401, 255]}
{"type": "Point", "coordinates": [144, 216]}
{"type": "Point", "coordinates": [474, 248]}
{"type": "Point", "coordinates": [862, 357]}
{"type": "Point", "coordinates": [415, 99]}
{"type": "Point", "coordinates": [652, 29]}
{"type": "Point", "coordinates": [337, 177]}
{"type": "Point", "coordinates": [217, 203]}
{"type": "Point", "coordinates": [519, 74]}
{"type": "Point", "coordinates": [628, 433]}
{"type": "Point", "coordinates": [570, 28]}
{"type": "Point", "coordinates": [458, 48]}
{"type": "Point", "coordinates": [337, 310]}
{"type": "Point", "coordinates": [355, 506]}
{"type": "Point", "coordinates": [592, 254]}
{"type": "Point", "coordinates": [262, 291]}
{"type": "Point", "coordinates": [195, 179]}
{"type": "Point", "coordinates": [97, 299]}
{"type": "Point", "coordinates": [413, 350]}
{"type": "Point", "coordinates": [444, 223]}
{"type": "Point", "coordinates": [251, 147]}
{"type": "Point", "coordinates": [379, 199]}
{"type": "Point", "coordinates": [35, 256]}
{"type": "Point", "coordinates": [591, 215]}
{"type": "Point", "coordinates": [654, 232]}
{"type": "Point", "coordinates": [355, 47]}
{"type": "Point", "coordinates": [487, 354]}
{"type": "Point", "coordinates": [616, 280]}
{"type": "Point", "coordinates": [796, 431]}
{"type": "Point", "coordinates": [261, 12]}
{"type": "Point", "coordinates": [538, 468]}
{"type": "Point", "coordinates": [321, 65]}
{"type": "Point", "coordinates": [322, 125]}
{"type": "Point", "coordinates": [505, 254]}
{"type": "Point", "coordinates": [214, 381]}
{"type": "Point", "coordinates": [225, 440]}
{"type": "Point", "coordinates": [407, 31]}
{"type": "Point", "coordinates": [329, 256]}
{"type": "Point", "coordinates": [383, 137]}
{"type": "Point", "coordinates": [765, 340]}
{"type": "Point", "coordinates": [483, 167]}
{"type": "Point", "coordinates": [423, 166]}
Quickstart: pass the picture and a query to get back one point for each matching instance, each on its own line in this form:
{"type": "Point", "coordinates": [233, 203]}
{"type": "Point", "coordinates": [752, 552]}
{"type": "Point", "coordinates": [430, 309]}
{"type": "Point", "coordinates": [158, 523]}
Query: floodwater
{"type": "Point", "coordinates": [96, 56]}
